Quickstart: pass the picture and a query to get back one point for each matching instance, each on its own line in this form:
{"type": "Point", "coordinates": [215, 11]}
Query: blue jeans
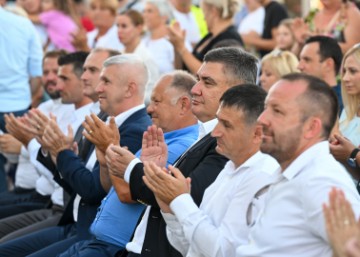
{"type": "Point", "coordinates": [90, 248]}
{"type": "Point", "coordinates": [45, 242]}
{"type": "Point", "coordinates": [3, 184]}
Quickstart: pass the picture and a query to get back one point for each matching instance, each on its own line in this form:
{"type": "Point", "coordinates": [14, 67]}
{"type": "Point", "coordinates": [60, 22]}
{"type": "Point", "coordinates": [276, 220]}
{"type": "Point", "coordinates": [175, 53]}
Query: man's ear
{"type": "Point", "coordinates": [258, 132]}
{"type": "Point", "coordinates": [312, 128]}
{"type": "Point", "coordinates": [131, 89]}
{"type": "Point", "coordinates": [185, 103]}
{"type": "Point", "coordinates": [330, 64]}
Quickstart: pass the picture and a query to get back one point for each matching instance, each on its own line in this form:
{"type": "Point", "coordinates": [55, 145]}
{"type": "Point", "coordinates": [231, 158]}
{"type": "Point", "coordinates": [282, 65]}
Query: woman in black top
{"type": "Point", "coordinates": [218, 16]}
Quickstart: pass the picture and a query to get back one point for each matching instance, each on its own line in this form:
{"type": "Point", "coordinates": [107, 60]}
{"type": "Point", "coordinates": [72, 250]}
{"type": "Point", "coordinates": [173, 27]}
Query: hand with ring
{"type": "Point", "coordinates": [37, 121]}
{"type": "Point", "coordinates": [99, 133]}
{"type": "Point", "coordinates": [341, 225]}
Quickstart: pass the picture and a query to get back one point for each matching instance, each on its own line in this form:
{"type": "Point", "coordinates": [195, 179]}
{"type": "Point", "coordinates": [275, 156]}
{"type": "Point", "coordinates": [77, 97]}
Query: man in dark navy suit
{"type": "Point", "coordinates": [222, 68]}
{"type": "Point", "coordinates": [121, 95]}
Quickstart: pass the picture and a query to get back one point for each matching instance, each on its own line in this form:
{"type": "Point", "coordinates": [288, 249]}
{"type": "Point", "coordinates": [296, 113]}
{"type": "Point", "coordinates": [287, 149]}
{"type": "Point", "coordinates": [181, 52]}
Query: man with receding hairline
{"type": "Point", "coordinates": [300, 112]}
{"type": "Point", "coordinates": [232, 202]}
{"type": "Point", "coordinates": [120, 96]}
{"type": "Point", "coordinates": [170, 109]}
{"type": "Point", "coordinates": [222, 68]}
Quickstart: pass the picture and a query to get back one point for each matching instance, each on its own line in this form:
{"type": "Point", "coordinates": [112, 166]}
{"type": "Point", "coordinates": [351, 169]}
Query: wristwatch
{"type": "Point", "coordinates": [352, 159]}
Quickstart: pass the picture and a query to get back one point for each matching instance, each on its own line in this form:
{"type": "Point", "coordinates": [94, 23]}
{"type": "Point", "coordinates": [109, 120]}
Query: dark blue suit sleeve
{"type": "Point", "coordinates": [87, 183]}
{"type": "Point", "coordinates": [84, 182]}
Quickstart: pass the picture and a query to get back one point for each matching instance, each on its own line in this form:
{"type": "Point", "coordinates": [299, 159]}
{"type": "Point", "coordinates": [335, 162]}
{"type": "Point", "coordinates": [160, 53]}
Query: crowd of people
{"type": "Point", "coordinates": [168, 128]}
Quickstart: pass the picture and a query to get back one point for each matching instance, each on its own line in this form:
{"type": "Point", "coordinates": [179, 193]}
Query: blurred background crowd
{"type": "Point", "coordinates": [318, 37]}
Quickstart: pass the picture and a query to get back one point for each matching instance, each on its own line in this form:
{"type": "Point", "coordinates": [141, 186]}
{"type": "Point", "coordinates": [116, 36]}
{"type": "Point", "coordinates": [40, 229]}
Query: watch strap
{"type": "Point", "coordinates": [354, 153]}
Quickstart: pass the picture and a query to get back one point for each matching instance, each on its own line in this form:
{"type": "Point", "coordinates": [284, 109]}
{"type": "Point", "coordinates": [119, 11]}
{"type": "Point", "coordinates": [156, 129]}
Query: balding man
{"type": "Point", "coordinates": [121, 95]}
{"type": "Point", "coordinates": [300, 112]}
{"type": "Point", "coordinates": [222, 68]}
{"type": "Point", "coordinates": [170, 109]}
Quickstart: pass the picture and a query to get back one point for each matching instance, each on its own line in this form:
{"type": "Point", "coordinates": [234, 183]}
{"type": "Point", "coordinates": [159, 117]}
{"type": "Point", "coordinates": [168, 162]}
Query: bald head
{"type": "Point", "coordinates": [170, 105]}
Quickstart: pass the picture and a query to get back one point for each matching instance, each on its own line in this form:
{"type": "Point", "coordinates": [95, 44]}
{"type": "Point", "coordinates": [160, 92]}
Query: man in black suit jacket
{"type": "Point", "coordinates": [222, 69]}
{"type": "Point", "coordinates": [119, 96]}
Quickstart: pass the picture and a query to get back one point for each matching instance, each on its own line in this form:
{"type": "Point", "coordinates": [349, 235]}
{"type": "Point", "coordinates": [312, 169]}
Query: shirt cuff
{"type": "Point", "coordinates": [33, 146]}
{"type": "Point", "coordinates": [168, 216]}
{"type": "Point", "coordinates": [129, 169]}
{"type": "Point", "coordinates": [170, 219]}
{"type": "Point", "coordinates": [182, 206]}
{"type": "Point", "coordinates": [24, 152]}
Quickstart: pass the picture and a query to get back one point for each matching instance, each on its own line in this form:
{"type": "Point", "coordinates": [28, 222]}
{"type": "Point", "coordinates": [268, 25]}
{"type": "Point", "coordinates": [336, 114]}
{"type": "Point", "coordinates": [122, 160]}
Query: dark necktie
{"type": "Point", "coordinates": [84, 144]}
{"type": "Point", "coordinates": [84, 147]}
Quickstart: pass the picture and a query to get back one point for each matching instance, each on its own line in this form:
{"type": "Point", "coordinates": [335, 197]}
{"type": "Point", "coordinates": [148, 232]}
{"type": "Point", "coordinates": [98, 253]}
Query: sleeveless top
{"type": "Point", "coordinates": [334, 29]}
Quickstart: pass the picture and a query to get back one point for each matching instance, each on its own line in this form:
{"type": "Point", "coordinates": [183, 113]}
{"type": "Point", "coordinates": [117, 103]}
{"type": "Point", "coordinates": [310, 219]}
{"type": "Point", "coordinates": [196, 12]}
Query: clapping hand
{"type": "Point", "coordinates": [100, 134]}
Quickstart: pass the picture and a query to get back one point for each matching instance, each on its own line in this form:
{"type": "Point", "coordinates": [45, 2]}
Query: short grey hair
{"type": "Point", "coordinates": [111, 52]}
{"type": "Point", "coordinates": [239, 66]}
{"type": "Point", "coordinates": [182, 81]}
{"type": "Point", "coordinates": [135, 65]}
{"type": "Point", "coordinates": [163, 6]}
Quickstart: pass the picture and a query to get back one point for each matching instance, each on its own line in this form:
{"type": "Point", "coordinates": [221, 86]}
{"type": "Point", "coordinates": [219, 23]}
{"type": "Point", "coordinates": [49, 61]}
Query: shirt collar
{"type": "Point", "coordinates": [193, 129]}
{"type": "Point", "coordinates": [81, 112]}
{"type": "Point", "coordinates": [206, 127]}
{"type": "Point", "coordinates": [305, 158]}
{"type": "Point", "coordinates": [57, 101]}
{"type": "Point", "coordinates": [95, 108]}
{"type": "Point", "coordinates": [251, 162]}
{"type": "Point", "coordinates": [119, 119]}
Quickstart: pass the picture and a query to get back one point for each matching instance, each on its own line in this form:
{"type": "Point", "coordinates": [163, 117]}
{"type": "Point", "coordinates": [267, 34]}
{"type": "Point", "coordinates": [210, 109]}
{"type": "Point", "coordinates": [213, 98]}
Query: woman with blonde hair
{"type": "Point", "coordinates": [219, 19]}
{"type": "Point", "coordinates": [285, 38]}
{"type": "Point", "coordinates": [350, 90]}
{"type": "Point", "coordinates": [345, 147]}
{"type": "Point", "coordinates": [275, 65]}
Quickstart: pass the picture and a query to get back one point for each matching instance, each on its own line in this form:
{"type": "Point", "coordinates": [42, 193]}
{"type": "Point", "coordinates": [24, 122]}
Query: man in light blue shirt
{"type": "Point", "coordinates": [170, 109]}
{"type": "Point", "coordinates": [20, 70]}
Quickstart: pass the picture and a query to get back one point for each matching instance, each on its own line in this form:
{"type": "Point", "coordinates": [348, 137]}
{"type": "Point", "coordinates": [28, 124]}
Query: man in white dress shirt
{"type": "Point", "coordinates": [300, 111]}
{"type": "Point", "coordinates": [26, 174]}
{"type": "Point", "coordinates": [71, 91]}
{"type": "Point", "coordinates": [231, 204]}
{"type": "Point", "coordinates": [36, 220]}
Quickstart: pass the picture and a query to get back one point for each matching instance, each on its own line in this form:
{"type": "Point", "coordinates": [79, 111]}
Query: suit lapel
{"type": "Point", "coordinates": [194, 148]}
{"type": "Point", "coordinates": [85, 146]}
{"type": "Point", "coordinates": [133, 117]}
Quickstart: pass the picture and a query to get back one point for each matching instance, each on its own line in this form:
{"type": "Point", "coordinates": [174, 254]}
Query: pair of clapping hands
{"type": "Point", "coordinates": [166, 184]}
{"type": "Point", "coordinates": [37, 125]}
{"type": "Point", "coordinates": [21, 130]}
{"type": "Point", "coordinates": [34, 124]}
